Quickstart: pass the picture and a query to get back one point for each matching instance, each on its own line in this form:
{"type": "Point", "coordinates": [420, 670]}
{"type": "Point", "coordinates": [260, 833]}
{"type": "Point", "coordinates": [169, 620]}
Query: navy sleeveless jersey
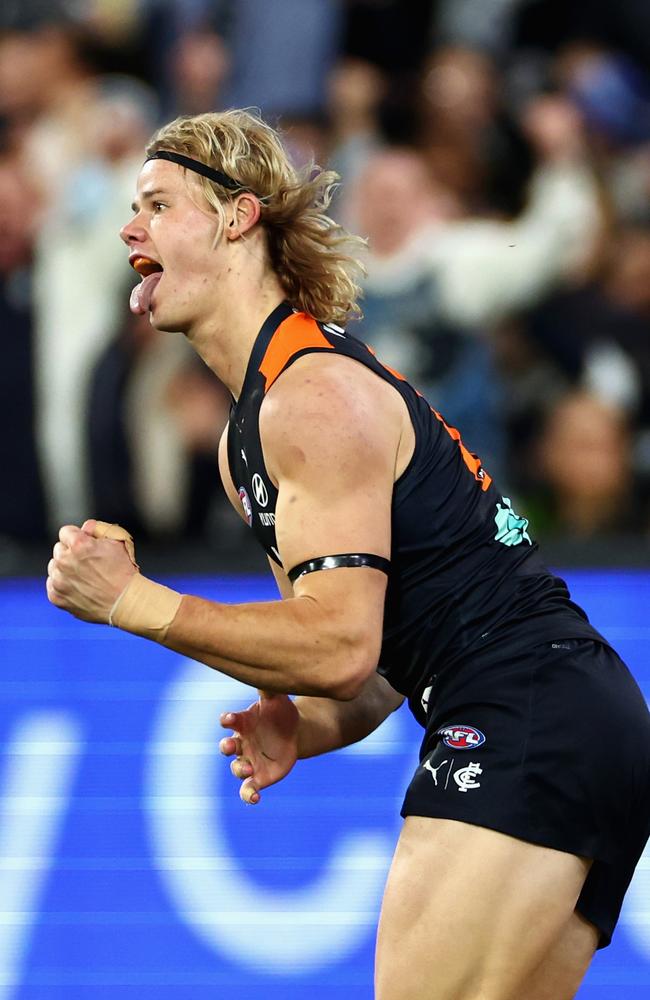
{"type": "Point", "coordinates": [465, 574]}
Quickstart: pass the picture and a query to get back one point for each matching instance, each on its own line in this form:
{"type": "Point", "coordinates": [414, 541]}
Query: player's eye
{"type": "Point", "coordinates": [158, 206]}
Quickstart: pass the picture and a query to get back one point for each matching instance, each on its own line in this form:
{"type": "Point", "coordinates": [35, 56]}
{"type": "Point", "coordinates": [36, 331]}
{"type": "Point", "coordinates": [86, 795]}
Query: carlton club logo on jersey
{"type": "Point", "coordinates": [259, 490]}
{"type": "Point", "coordinates": [461, 737]}
{"type": "Point", "coordinates": [246, 504]}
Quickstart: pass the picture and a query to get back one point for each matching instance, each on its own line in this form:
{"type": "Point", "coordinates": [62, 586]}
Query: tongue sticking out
{"type": "Point", "coordinates": [140, 301]}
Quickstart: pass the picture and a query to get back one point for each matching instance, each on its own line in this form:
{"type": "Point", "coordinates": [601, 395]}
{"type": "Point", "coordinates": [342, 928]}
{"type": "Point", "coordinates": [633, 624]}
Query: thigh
{"type": "Point", "coordinates": [561, 971]}
{"type": "Point", "coordinates": [469, 912]}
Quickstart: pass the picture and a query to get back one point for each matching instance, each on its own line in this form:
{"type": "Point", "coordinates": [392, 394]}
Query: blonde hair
{"type": "Point", "coordinates": [316, 259]}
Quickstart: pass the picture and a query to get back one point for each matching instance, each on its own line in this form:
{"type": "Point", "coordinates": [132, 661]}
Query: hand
{"type": "Point", "coordinates": [555, 128]}
{"type": "Point", "coordinates": [86, 575]}
{"type": "Point", "coordinates": [265, 743]}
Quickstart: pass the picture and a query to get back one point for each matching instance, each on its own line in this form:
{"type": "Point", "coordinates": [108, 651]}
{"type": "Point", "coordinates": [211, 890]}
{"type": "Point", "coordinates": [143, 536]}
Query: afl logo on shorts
{"type": "Point", "coordinates": [246, 504]}
{"type": "Point", "coordinates": [461, 737]}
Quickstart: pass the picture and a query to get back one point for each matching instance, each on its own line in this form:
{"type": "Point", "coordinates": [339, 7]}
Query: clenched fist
{"type": "Point", "coordinates": [86, 574]}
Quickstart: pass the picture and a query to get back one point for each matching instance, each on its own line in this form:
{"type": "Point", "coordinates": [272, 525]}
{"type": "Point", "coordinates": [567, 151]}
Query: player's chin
{"type": "Point", "coordinates": [163, 319]}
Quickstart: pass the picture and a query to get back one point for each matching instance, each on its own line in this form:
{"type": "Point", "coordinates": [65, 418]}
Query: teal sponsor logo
{"type": "Point", "coordinates": [511, 529]}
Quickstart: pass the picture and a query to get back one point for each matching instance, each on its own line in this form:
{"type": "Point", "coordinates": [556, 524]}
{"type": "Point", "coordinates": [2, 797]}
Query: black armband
{"type": "Point", "coordinates": [353, 559]}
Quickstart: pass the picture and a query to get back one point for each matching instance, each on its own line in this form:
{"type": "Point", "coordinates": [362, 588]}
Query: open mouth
{"type": "Point", "coordinates": [145, 266]}
{"type": "Point", "coordinates": [150, 271]}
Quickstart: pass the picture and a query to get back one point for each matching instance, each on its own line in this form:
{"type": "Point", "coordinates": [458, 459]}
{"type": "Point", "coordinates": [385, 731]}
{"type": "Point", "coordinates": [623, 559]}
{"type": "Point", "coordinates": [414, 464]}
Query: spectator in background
{"type": "Point", "coordinates": [503, 262]}
{"type": "Point", "coordinates": [22, 513]}
{"type": "Point", "coordinates": [44, 81]}
{"type": "Point", "coordinates": [154, 419]}
{"type": "Point", "coordinates": [596, 335]}
{"type": "Point", "coordinates": [398, 206]}
{"type": "Point", "coordinates": [612, 93]}
{"type": "Point", "coordinates": [585, 467]}
{"type": "Point", "coordinates": [354, 93]}
{"type": "Point", "coordinates": [396, 46]}
{"type": "Point", "coordinates": [597, 332]}
{"type": "Point", "coordinates": [404, 213]}
{"type": "Point", "coordinates": [438, 282]}
{"type": "Point", "coordinates": [199, 64]}
{"type": "Point", "coordinates": [282, 53]}
{"type": "Point", "coordinates": [80, 278]}
{"type": "Point", "coordinates": [473, 146]}
{"type": "Point", "coordinates": [57, 138]}
{"type": "Point", "coordinates": [184, 51]}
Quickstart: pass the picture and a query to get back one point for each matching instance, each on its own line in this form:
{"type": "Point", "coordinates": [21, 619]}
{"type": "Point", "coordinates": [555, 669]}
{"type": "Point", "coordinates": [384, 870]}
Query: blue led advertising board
{"type": "Point", "coordinates": [130, 869]}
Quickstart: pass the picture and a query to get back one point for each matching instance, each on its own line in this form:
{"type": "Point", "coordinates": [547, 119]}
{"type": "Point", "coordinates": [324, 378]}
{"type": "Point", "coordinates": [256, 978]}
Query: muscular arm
{"type": "Point", "coordinates": [333, 445]}
{"type": "Point", "coordinates": [274, 732]}
{"type": "Point", "coordinates": [333, 455]}
{"type": "Point", "coordinates": [327, 724]}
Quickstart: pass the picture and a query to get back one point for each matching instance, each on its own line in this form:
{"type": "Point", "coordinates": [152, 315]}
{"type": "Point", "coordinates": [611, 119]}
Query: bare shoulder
{"type": "Point", "coordinates": [327, 407]}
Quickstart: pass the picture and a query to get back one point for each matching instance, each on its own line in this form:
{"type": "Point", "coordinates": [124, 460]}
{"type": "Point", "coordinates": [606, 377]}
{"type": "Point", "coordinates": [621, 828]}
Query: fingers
{"type": "Point", "coordinates": [59, 550]}
{"type": "Point", "coordinates": [241, 768]}
{"type": "Point", "coordinates": [230, 745]}
{"type": "Point", "coordinates": [89, 526]}
{"type": "Point", "coordinates": [248, 793]}
{"type": "Point", "coordinates": [53, 596]}
{"type": "Point", "coordinates": [240, 721]}
{"type": "Point", "coordinates": [69, 534]}
{"type": "Point", "coordinates": [56, 565]}
{"type": "Point", "coordinates": [55, 577]}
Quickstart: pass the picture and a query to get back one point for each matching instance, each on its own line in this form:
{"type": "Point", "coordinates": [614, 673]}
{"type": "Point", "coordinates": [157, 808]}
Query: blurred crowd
{"type": "Point", "coordinates": [496, 153]}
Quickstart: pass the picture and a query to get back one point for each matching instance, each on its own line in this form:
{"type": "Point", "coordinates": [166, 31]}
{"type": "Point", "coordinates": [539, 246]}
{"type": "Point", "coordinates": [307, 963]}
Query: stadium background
{"type": "Point", "coordinates": [497, 155]}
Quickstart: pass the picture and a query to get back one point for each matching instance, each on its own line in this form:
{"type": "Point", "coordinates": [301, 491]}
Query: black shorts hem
{"type": "Point", "coordinates": [605, 928]}
{"type": "Point", "coordinates": [582, 848]}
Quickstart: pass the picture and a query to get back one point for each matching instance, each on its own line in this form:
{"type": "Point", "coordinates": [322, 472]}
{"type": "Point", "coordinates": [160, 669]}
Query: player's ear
{"type": "Point", "coordinates": [243, 215]}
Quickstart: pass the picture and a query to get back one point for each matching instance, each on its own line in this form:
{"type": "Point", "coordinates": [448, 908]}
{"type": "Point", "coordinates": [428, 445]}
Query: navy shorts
{"type": "Point", "coordinates": [550, 745]}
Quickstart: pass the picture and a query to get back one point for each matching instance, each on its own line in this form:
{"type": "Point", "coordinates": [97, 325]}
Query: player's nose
{"type": "Point", "coordinates": [132, 232]}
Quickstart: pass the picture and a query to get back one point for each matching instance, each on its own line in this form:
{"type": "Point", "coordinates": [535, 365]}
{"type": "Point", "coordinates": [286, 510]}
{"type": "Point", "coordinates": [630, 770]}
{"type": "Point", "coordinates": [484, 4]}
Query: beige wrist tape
{"type": "Point", "coordinates": [144, 607]}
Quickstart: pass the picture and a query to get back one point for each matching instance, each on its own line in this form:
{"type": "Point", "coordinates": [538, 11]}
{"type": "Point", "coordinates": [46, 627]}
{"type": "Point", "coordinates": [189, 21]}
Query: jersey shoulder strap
{"type": "Point", "coordinates": [297, 335]}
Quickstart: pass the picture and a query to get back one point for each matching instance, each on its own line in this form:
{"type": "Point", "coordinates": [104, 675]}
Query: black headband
{"type": "Point", "coordinates": [200, 168]}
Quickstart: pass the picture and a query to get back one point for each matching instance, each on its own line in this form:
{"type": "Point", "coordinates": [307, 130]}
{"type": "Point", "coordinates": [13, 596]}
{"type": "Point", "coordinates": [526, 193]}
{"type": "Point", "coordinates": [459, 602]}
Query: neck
{"type": "Point", "coordinates": [225, 338]}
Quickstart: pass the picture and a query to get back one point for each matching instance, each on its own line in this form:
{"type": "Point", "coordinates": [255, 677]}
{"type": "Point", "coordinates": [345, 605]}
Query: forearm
{"type": "Point", "coordinates": [326, 724]}
{"type": "Point", "coordinates": [278, 646]}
